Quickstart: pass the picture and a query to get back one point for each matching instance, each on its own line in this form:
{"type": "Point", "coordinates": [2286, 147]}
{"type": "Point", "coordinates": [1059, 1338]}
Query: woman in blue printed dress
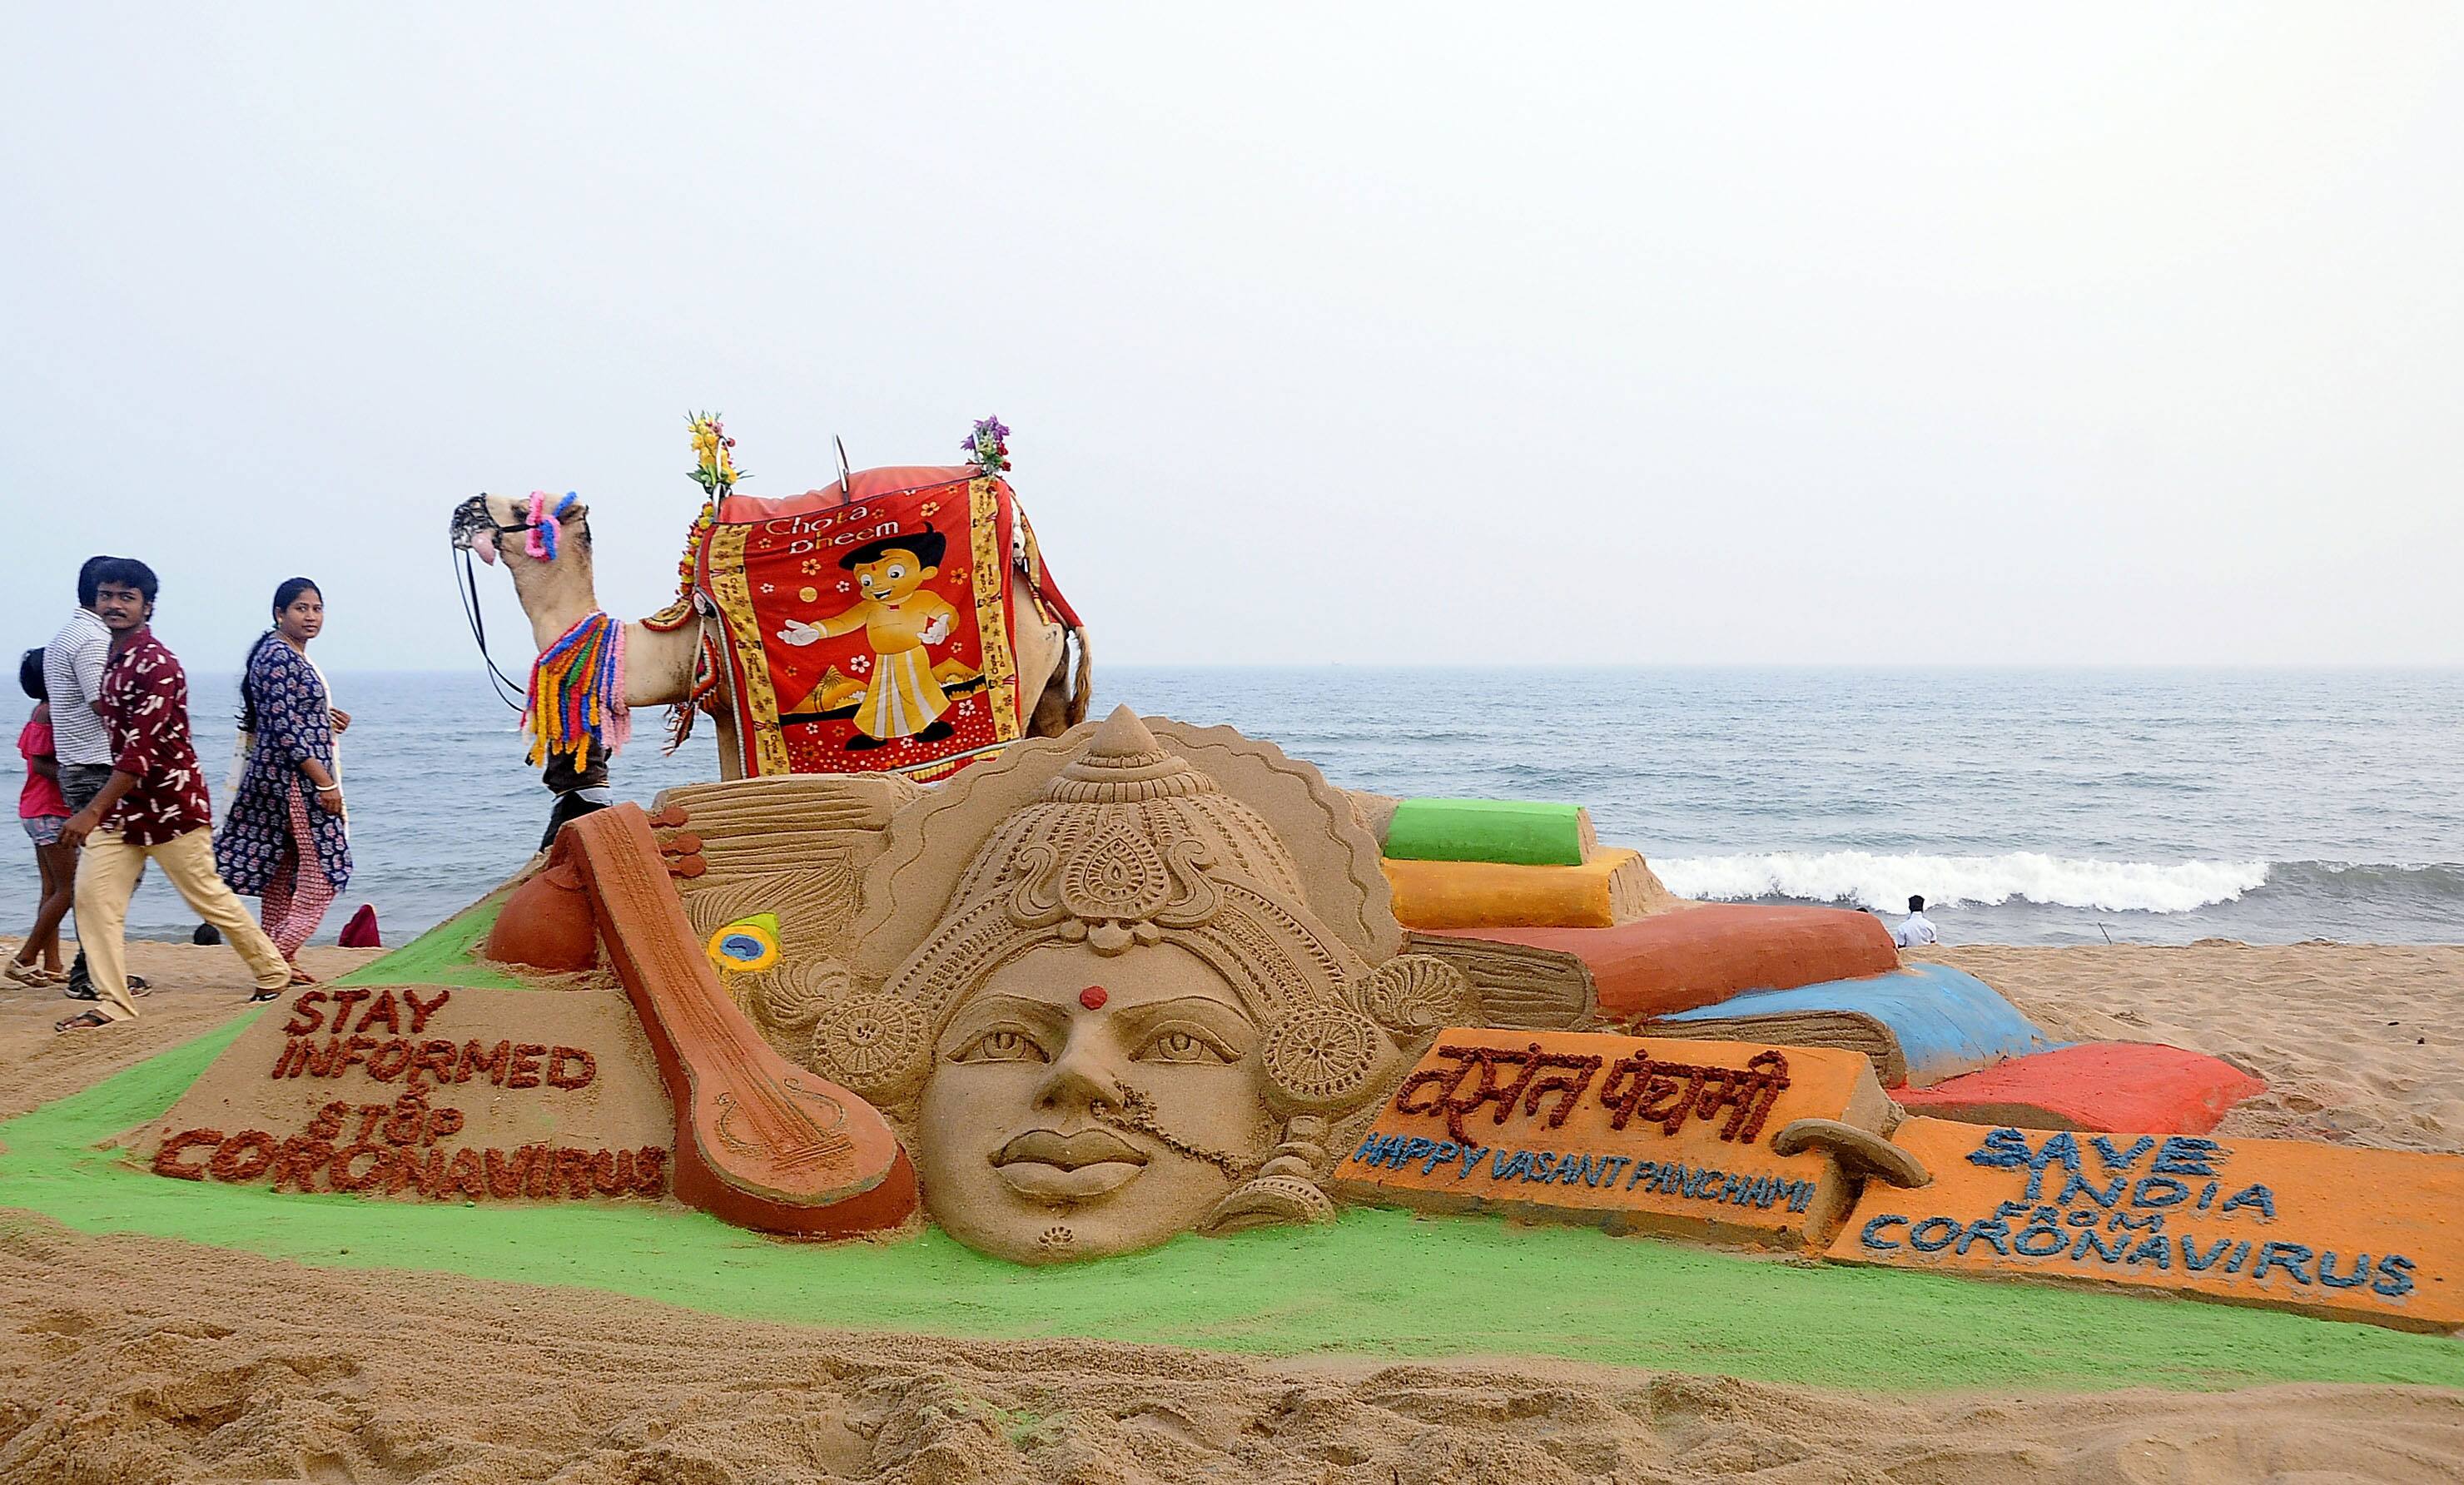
{"type": "Point", "coordinates": [283, 840]}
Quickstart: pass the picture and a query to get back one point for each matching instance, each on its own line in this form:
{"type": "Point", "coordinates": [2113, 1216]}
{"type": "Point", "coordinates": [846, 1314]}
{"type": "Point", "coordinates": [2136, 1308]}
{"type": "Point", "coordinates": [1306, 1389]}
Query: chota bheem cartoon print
{"type": "Point", "coordinates": [905, 694]}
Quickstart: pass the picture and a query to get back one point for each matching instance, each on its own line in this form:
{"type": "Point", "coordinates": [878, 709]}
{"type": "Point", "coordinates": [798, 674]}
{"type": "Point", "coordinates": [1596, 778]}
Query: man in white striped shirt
{"type": "Point", "coordinates": [73, 665]}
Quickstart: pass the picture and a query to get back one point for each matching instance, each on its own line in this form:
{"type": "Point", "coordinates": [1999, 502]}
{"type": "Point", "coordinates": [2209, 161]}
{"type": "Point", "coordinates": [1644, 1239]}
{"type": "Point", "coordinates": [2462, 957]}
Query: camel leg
{"type": "Point", "coordinates": [1049, 716]}
{"type": "Point", "coordinates": [578, 792]}
{"type": "Point", "coordinates": [730, 765]}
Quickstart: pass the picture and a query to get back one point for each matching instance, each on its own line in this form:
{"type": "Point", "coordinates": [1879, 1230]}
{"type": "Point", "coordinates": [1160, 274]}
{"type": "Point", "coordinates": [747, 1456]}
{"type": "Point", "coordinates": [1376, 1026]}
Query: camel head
{"type": "Point", "coordinates": [500, 525]}
{"type": "Point", "coordinates": [553, 594]}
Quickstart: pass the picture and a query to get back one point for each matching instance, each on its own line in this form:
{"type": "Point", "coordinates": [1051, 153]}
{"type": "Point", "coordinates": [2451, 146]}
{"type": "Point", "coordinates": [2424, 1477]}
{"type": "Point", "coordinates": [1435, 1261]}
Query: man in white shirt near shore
{"type": "Point", "coordinates": [1916, 929]}
{"type": "Point", "coordinates": [73, 666]}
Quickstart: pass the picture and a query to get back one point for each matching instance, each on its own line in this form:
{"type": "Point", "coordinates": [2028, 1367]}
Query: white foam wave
{"type": "Point", "coordinates": [1887, 881]}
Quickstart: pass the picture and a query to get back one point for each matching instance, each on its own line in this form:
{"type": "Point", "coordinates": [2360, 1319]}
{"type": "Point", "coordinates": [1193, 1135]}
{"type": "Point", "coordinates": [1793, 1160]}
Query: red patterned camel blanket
{"type": "Point", "coordinates": [869, 630]}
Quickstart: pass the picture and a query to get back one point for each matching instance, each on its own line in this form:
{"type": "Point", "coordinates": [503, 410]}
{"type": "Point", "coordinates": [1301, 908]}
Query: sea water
{"type": "Point", "coordinates": [2028, 806]}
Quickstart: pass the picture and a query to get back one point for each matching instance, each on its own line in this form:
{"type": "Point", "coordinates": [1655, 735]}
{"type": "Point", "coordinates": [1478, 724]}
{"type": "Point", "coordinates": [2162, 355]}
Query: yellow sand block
{"type": "Point", "coordinates": [1614, 886]}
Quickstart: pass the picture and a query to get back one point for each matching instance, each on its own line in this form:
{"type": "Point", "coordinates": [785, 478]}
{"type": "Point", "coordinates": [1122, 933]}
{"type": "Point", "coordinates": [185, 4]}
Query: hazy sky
{"type": "Point", "coordinates": [1499, 335]}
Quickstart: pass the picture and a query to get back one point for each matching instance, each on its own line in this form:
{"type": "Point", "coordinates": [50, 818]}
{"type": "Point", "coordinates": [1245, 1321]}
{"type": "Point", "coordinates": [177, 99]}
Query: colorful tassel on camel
{"type": "Point", "coordinates": [577, 695]}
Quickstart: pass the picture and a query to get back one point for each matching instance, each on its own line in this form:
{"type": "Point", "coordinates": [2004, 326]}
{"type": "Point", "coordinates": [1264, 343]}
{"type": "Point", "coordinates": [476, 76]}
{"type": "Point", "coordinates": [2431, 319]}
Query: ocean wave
{"type": "Point", "coordinates": [1868, 879]}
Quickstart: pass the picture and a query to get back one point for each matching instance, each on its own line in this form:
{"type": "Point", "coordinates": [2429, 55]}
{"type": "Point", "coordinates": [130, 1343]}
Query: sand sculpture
{"type": "Point", "coordinates": [1724, 1141]}
{"type": "Point", "coordinates": [2326, 1229]}
{"type": "Point", "coordinates": [1139, 980]}
{"type": "Point", "coordinates": [1109, 997]}
{"type": "Point", "coordinates": [765, 586]}
{"type": "Point", "coordinates": [436, 1091]}
{"type": "Point", "coordinates": [1145, 979]}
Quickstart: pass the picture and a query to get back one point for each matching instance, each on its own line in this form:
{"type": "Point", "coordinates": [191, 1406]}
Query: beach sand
{"type": "Point", "coordinates": [2358, 1043]}
{"type": "Point", "coordinates": [131, 1359]}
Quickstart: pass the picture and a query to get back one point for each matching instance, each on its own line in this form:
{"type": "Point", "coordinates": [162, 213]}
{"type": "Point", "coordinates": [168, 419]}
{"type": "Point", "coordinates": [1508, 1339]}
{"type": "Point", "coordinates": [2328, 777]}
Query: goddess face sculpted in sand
{"type": "Point", "coordinates": [1126, 1022]}
{"type": "Point", "coordinates": [1101, 1104]}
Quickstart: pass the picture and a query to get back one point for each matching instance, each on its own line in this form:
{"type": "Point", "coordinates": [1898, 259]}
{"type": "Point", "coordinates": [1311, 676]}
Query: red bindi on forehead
{"type": "Point", "coordinates": [1093, 997]}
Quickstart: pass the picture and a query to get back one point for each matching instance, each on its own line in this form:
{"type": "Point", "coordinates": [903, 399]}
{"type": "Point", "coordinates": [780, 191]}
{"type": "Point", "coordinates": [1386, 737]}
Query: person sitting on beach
{"type": "Point", "coordinates": [152, 808]}
{"type": "Point", "coordinates": [1916, 929]}
{"type": "Point", "coordinates": [274, 844]}
{"type": "Point", "coordinates": [42, 811]}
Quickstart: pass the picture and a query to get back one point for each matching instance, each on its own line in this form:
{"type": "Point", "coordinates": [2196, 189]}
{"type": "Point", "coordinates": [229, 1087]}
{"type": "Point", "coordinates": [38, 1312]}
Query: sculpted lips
{"type": "Point", "coordinates": [1069, 1152]}
{"type": "Point", "coordinates": [1053, 1166]}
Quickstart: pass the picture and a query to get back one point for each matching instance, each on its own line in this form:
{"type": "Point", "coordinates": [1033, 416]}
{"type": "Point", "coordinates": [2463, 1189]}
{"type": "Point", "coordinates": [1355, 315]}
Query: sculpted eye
{"type": "Point", "coordinates": [1185, 1043]}
{"type": "Point", "coordinates": [1000, 1046]}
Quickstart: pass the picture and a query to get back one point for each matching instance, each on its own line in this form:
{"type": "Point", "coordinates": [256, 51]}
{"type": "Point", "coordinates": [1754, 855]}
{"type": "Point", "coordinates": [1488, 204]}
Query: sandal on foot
{"type": "Point", "coordinates": [82, 1021]}
{"type": "Point", "coordinates": [18, 971]}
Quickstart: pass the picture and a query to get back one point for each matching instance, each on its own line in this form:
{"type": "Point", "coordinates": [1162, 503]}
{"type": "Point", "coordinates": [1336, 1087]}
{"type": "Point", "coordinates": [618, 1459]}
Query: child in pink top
{"type": "Point", "coordinates": [42, 809]}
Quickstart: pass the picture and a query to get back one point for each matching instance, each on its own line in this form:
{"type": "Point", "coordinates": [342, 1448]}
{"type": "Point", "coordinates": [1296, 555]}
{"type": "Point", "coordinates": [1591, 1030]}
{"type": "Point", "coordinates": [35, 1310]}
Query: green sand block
{"type": "Point", "coordinates": [1517, 832]}
{"type": "Point", "coordinates": [446, 954]}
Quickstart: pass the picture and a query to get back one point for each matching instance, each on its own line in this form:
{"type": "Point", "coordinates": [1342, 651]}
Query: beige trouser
{"type": "Point", "coordinates": [107, 873]}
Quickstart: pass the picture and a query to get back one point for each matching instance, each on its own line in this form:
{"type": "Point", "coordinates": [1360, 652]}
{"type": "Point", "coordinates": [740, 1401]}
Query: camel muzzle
{"type": "Point", "coordinates": [473, 529]}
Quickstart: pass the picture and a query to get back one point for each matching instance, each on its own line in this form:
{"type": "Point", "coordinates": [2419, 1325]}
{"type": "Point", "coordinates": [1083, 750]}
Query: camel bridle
{"type": "Point", "coordinates": [513, 695]}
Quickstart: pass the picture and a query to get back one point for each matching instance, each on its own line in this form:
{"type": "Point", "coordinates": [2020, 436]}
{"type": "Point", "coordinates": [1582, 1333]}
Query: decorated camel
{"type": "Point", "coordinates": [897, 620]}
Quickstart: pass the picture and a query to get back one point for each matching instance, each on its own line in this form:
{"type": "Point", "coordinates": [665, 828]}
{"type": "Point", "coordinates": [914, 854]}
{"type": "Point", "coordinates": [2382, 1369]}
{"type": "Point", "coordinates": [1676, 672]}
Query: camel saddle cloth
{"type": "Point", "coordinates": [866, 628]}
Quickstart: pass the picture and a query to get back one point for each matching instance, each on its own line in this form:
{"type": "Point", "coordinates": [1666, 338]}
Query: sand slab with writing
{"type": "Point", "coordinates": [2330, 1230]}
{"type": "Point", "coordinates": [1919, 1024]}
{"type": "Point", "coordinates": [1633, 1135]}
{"type": "Point", "coordinates": [396, 1089]}
{"type": "Point", "coordinates": [2095, 1086]}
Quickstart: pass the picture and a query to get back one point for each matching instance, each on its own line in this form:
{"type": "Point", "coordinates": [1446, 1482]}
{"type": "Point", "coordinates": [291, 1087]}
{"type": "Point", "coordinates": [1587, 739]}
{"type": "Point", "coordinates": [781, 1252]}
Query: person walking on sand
{"type": "Point", "coordinates": [1916, 929]}
{"type": "Point", "coordinates": [42, 812]}
{"type": "Point", "coordinates": [275, 843]}
{"type": "Point", "coordinates": [154, 807]}
{"type": "Point", "coordinates": [73, 666]}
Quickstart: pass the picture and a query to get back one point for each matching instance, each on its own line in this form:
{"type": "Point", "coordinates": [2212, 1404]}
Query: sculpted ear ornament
{"type": "Point", "coordinates": [1413, 994]}
{"type": "Point", "coordinates": [870, 1044]}
{"type": "Point", "coordinates": [1321, 1058]}
{"type": "Point", "coordinates": [1285, 1189]}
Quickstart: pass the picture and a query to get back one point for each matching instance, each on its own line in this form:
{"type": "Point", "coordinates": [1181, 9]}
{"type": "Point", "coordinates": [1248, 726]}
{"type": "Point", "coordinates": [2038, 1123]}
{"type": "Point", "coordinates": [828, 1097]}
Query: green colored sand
{"type": "Point", "coordinates": [446, 954]}
{"type": "Point", "coordinates": [1517, 831]}
{"type": "Point", "coordinates": [1378, 1283]}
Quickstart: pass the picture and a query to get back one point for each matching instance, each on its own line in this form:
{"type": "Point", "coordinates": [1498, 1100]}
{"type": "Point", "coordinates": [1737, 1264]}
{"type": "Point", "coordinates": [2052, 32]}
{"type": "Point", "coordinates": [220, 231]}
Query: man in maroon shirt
{"type": "Point", "coordinates": [154, 807]}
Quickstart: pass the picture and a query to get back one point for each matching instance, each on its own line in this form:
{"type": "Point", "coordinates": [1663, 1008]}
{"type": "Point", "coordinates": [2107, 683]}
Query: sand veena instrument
{"type": "Point", "coordinates": [760, 1141]}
